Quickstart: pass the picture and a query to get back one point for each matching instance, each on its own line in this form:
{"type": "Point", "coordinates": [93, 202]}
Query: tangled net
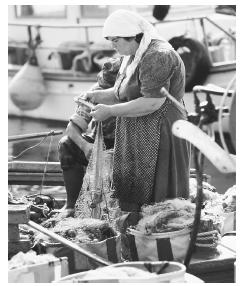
{"type": "Point", "coordinates": [94, 199]}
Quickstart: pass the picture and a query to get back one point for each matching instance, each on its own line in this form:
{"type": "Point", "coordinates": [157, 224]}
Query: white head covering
{"type": "Point", "coordinates": [124, 23]}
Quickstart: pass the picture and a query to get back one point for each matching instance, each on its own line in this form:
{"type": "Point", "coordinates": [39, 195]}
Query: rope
{"type": "Point", "coordinates": [213, 245]}
{"type": "Point", "coordinates": [51, 133]}
{"type": "Point", "coordinates": [31, 147]}
{"type": "Point", "coordinates": [46, 164]}
{"type": "Point", "coordinates": [207, 233]}
{"type": "Point", "coordinates": [201, 239]}
{"type": "Point", "coordinates": [220, 115]}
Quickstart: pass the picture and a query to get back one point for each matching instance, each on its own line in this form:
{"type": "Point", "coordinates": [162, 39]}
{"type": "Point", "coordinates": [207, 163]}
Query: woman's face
{"type": "Point", "coordinates": [124, 47]}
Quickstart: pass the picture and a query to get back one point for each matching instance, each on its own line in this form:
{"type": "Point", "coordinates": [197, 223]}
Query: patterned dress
{"type": "Point", "coordinates": [150, 163]}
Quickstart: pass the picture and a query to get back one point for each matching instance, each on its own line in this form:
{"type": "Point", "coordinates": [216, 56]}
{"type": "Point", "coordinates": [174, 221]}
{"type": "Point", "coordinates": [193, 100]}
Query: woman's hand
{"type": "Point", "coordinates": [104, 96]}
{"type": "Point", "coordinates": [88, 96]}
{"type": "Point", "coordinates": [101, 112]}
{"type": "Point", "coordinates": [91, 96]}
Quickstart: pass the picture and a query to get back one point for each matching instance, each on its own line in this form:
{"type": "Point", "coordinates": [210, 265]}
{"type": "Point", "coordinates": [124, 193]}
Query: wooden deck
{"type": "Point", "coordinates": [32, 173]}
{"type": "Point", "coordinates": [215, 265]}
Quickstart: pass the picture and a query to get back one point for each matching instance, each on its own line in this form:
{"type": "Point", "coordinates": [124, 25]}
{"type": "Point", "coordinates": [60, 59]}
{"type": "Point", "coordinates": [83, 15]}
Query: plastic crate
{"type": "Point", "coordinates": [40, 273]}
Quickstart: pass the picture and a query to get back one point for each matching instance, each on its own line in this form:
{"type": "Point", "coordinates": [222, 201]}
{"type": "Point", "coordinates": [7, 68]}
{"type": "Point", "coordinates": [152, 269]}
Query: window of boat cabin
{"type": "Point", "coordinates": [102, 11]}
{"type": "Point", "coordinates": [94, 11]}
{"type": "Point", "coordinates": [144, 10]}
{"type": "Point", "coordinates": [40, 11]}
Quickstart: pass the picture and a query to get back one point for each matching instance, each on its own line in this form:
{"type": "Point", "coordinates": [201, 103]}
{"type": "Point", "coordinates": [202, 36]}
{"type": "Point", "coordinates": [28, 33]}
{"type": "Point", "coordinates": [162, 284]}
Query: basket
{"type": "Point", "coordinates": [171, 246]}
{"type": "Point", "coordinates": [109, 249]}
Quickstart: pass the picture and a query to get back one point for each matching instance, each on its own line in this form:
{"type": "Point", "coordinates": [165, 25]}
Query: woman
{"type": "Point", "coordinates": [150, 164]}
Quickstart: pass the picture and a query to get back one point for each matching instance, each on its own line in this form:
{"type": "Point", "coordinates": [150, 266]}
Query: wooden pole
{"type": "Point", "coordinates": [33, 135]}
{"type": "Point", "coordinates": [199, 202]}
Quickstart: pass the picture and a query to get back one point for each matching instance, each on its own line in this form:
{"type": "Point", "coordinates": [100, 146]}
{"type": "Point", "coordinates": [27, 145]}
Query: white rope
{"type": "Point", "coordinates": [46, 164]}
{"type": "Point", "coordinates": [207, 233]}
{"type": "Point", "coordinates": [213, 245]}
{"type": "Point", "coordinates": [29, 148]}
{"type": "Point", "coordinates": [220, 127]}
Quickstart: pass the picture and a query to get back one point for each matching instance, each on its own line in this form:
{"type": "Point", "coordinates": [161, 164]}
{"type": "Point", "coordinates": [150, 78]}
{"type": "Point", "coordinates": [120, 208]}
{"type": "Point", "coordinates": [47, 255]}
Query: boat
{"type": "Point", "coordinates": [65, 59]}
{"type": "Point", "coordinates": [63, 84]}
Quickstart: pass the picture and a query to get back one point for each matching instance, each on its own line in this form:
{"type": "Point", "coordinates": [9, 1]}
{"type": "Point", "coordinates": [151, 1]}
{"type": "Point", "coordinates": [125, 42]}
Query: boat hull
{"type": "Point", "coordinates": [61, 88]}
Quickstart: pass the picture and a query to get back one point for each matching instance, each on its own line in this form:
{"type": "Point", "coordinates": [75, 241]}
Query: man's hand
{"type": "Point", "coordinates": [101, 112]}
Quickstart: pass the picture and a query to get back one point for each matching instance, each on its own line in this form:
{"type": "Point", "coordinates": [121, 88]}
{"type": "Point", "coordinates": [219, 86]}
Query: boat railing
{"type": "Point", "coordinates": [202, 20]}
{"type": "Point", "coordinates": [90, 26]}
{"type": "Point", "coordinates": [229, 64]}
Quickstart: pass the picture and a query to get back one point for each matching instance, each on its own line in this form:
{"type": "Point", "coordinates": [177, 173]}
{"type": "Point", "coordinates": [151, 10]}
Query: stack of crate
{"type": "Point", "coordinates": [42, 272]}
{"type": "Point", "coordinates": [17, 214]}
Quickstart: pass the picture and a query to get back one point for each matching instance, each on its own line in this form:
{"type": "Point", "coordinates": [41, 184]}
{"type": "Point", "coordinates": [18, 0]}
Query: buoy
{"type": "Point", "coordinates": [27, 89]}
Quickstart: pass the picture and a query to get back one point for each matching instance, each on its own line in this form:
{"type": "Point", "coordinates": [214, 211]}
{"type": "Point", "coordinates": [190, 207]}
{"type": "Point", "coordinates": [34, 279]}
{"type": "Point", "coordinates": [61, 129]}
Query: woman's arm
{"type": "Point", "coordinates": [138, 107]}
{"type": "Point", "coordinates": [103, 96]}
{"type": "Point", "coordinates": [135, 108]}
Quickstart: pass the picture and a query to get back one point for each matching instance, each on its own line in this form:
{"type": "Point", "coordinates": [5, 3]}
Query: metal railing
{"type": "Point", "coordinates": [87, 27]}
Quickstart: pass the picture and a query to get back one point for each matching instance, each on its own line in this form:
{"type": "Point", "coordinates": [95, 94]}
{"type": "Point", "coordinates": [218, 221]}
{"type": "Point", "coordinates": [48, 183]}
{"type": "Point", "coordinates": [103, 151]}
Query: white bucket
{"type": "Point", "coordinates": [174, 272]}
{"type": "Point", "coordinates": [229, 223]}
{"type": "Point", "coordinates": [171, 246]}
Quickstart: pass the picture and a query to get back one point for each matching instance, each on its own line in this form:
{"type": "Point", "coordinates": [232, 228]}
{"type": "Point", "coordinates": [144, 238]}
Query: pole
{"type": "Point", "coordinates": [205, 39]}
{"type": "Point", "coordinates": [33, 135]}
{"type": "Point", "coordinates": [199, 202]}
{"type": "Point", "coordinates": [220, 28]}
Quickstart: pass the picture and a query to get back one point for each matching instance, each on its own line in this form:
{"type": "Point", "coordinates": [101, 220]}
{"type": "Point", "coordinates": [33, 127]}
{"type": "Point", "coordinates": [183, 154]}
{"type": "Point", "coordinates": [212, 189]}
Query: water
{"type": "Point", "coordinates": [18, 126]}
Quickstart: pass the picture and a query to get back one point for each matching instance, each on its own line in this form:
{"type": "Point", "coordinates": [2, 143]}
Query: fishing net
{"type": "Point", "coordinates": [94, 199]}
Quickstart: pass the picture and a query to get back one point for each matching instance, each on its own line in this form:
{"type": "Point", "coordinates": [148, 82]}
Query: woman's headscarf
{"type": "Point", "coordinates": [124, 23]}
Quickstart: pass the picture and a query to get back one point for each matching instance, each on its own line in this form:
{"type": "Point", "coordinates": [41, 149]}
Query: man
{"type": "Point", "coordinates": [75, 147]}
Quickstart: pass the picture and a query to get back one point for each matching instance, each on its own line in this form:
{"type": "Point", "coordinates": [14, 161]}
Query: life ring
{"type": "Point", "coordinates": [196, 60]}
